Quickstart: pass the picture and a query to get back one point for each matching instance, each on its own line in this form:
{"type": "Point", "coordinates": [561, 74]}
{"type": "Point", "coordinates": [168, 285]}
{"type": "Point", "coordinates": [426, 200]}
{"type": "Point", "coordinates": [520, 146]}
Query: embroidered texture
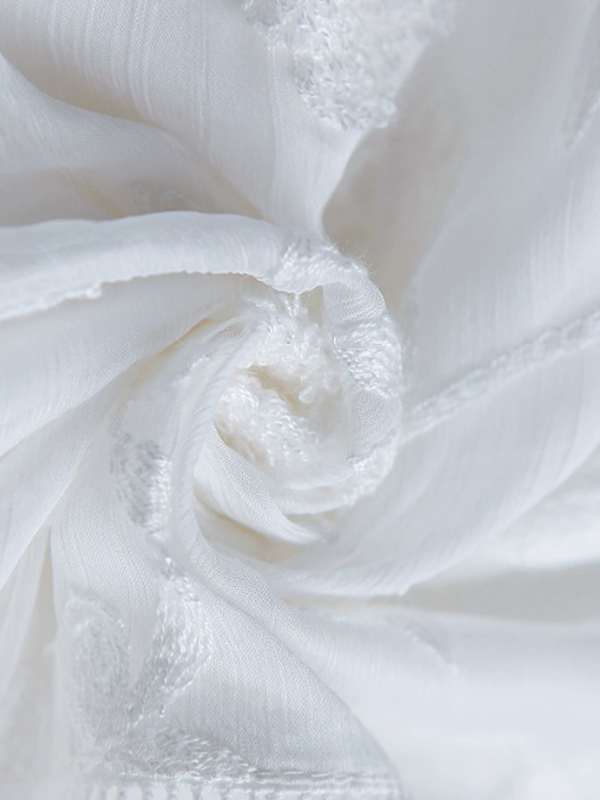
{"type": "Point", "coordinates": [349, 56]}
{"type": "Point", "coordinates": [301, 378]}
{"type": "Point", "coordinates": [119, 727]}
{"type": "Point", "coordinates": [142, 480]}
{"type": "Point", "coordinates": [280, 406]}
{"type": "Point", "coordinates": [553, 343]}
{"type": "Point", "coordinates": [120, 736]}
{"type": "Point", "coordinates": [319, 400]}
{"type": "Point", "coordinates": [249, 784]}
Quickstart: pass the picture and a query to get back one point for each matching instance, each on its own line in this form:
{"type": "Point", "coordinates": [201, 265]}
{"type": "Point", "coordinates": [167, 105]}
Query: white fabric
{"type": "Point", "coordinates": [273, 524]}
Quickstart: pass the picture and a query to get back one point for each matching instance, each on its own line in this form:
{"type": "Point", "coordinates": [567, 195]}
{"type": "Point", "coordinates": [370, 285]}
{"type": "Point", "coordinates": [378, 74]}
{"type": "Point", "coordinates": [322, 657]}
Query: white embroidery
{"type": "Point", "coordinates": [118, 719]}
{"type": "Point", "coordinates": [280, 407]}
{"type": "Point", "coordinates": [553, 343]}
{"type": "Point", "coordinates": [322, 394]}
{"type": "Point", "coordinates": [142, 480]}
{"type": "Point", "coordinates": [349, 55]}
{"type": "Point", "coordinates": [121, 740]}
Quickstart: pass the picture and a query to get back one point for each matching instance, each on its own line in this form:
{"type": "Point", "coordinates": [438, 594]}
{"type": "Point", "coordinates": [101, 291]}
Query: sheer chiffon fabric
{"type": "Point", "coordinates": [273, 525]}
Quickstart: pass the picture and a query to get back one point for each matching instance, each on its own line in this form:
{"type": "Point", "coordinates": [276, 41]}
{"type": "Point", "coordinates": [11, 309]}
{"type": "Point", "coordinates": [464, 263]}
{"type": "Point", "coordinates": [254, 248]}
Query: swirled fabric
{"type": "Point", "coordinates": [299, 399]}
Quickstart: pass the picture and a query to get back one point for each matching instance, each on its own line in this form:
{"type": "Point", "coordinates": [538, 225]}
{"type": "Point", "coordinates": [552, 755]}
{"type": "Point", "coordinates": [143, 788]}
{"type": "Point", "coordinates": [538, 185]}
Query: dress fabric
{"type": "Point", "coordinates": [299, 399]}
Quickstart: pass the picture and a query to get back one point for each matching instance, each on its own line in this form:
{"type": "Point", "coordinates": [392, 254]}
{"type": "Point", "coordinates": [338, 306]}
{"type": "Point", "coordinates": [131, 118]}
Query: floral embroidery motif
{"type": "Point", "coordinates": [349, 56]}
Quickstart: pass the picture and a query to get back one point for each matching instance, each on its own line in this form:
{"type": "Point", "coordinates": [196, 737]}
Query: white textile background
{"type": "Point", "coordinates": [299, 399]}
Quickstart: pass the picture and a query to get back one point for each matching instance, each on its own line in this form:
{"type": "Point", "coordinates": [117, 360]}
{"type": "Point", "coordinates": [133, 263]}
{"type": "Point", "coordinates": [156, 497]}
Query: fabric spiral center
{"type": "Point", "coordinates": [285, 403]}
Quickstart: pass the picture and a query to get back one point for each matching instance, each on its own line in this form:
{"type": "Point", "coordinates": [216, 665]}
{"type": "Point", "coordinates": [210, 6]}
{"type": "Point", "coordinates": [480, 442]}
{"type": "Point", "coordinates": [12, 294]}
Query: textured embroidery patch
{"type": "Point", "coordinates": [119, 717]}
{"type": "Point", "coordinates": [349, 56]}
{"type": "Point", "coordinates": [124, 743]}
{"type": "Point", "coordinates": [142, 476]}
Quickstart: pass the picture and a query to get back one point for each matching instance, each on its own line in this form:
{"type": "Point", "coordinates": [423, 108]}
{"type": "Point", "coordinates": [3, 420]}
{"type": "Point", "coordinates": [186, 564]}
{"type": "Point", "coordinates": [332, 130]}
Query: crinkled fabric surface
{"type": "Point", "coordinates": [299, 399]}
